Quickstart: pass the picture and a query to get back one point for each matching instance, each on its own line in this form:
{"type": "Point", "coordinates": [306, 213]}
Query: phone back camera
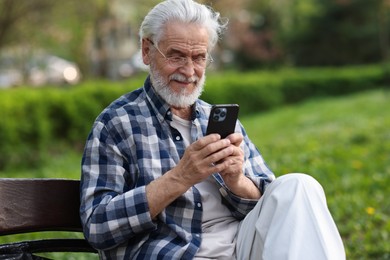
{"type": "Point", "coordinates": [219, 114]}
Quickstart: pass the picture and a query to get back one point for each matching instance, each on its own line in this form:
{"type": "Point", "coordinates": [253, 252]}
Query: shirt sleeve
{"type": "Point", "coordinates": [111, 212]}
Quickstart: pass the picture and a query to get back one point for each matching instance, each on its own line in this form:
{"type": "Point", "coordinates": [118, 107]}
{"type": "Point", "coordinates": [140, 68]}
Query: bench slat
{"type": "Point", "coordinates": [34, 205]}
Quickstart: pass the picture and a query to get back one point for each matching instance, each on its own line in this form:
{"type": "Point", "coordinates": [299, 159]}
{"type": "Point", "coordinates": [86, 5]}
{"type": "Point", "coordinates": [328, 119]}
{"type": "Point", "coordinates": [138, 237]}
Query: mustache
{"type": "Point", "coordinates": [182, 78]}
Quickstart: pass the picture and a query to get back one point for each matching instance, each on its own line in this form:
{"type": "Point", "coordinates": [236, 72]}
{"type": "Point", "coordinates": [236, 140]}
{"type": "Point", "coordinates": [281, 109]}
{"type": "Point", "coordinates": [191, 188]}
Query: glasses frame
{"type": "Point", "coordinates": [179, 61]}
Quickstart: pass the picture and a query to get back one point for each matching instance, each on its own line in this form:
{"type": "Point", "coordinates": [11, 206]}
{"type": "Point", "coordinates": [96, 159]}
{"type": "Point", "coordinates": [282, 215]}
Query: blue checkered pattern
{"type": "Point", "coordinates": [130, 145]}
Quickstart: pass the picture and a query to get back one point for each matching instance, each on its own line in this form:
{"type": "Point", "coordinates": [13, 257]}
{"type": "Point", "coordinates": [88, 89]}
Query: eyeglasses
{"type": "Point", "coordinates": [177, 61]}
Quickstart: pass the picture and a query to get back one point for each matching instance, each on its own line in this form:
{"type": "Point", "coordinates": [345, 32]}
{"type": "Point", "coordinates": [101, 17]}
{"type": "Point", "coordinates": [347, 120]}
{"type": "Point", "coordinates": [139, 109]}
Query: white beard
{"type": "Point", "coordinates": [183, 98]}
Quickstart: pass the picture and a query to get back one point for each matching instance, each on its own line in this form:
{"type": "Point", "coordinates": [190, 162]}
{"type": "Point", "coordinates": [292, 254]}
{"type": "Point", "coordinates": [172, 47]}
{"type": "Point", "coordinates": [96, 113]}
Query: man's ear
{"type": "Point", "coordinates": [145, 47]}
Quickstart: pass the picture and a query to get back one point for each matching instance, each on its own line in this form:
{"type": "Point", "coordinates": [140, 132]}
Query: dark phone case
{"type": "Point", "coordinates": [223, 125]}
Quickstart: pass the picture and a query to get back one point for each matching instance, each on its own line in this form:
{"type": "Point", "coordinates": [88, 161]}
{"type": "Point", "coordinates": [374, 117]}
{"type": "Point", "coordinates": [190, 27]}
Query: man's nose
{"type": "Point", "coordinates": [188, 69]}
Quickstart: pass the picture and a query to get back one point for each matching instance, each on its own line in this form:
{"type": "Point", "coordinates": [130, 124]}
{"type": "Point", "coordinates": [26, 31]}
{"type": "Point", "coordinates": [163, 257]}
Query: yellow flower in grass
{"type": "Point", "coordinates": [370, 210]}
{"type": "Point", "coordinates": [357, 165]}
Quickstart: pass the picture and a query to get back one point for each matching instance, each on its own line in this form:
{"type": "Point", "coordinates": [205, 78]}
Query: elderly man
{"type": "Point", "coordinates": [155, 186]}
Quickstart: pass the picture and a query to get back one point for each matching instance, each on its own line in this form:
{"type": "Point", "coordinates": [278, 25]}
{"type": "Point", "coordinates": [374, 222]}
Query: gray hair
{"type": "Point", "coordinates": [186, 11]}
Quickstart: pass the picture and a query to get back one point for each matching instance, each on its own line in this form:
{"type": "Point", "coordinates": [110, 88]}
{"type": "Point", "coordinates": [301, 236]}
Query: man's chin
{"type": "Point", "coordinates": [180, 97]}
{"type": "Point", "coordinates": [181, 88]}
{"type": "Point", "coordinates": [181, 101]}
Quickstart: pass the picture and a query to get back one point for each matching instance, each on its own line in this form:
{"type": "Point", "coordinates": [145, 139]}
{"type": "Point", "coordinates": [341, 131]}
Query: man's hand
{"type": "Point", "coordinates": [233, 175]}
{"type": "Point", "coordinates": [203, 158]}
{"type": "Point", "coordinates": [200, 160]}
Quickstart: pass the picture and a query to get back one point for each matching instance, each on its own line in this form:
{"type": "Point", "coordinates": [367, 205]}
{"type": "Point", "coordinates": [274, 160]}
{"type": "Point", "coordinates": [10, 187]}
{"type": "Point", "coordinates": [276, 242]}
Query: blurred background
{"type": "Point", "coordinates": [312, 78]}
{"type": "Point", "coordinates": [44, 41]}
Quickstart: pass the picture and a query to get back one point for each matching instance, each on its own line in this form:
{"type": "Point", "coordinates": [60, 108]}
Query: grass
{"type": "Point", "coordinates": [343, 142]}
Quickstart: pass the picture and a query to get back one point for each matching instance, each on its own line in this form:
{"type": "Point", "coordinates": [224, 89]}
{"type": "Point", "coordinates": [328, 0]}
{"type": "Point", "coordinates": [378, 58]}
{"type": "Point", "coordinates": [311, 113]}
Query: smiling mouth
{"type": "Point", "coordinates": [183, 80]}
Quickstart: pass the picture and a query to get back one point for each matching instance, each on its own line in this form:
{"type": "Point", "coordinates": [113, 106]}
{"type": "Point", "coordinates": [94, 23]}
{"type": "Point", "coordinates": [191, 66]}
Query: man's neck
{"type": "Point", "coordinates": [182, 112]}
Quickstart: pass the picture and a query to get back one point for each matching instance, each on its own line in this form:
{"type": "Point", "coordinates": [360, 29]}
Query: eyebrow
{"type": "Point", "coordinates": [177, 51]}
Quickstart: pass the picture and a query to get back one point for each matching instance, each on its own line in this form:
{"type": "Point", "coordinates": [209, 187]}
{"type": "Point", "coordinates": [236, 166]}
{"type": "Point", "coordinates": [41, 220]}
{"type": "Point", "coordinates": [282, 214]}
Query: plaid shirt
{"type": "Point", "coordinates": [130, 145]}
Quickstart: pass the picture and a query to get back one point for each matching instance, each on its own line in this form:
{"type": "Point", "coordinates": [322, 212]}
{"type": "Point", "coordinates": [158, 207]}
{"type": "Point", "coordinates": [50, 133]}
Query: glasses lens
{"type": "Point", "coordinates": [176, 61]}
{"type": "Point", "coordinates": [201, 62]}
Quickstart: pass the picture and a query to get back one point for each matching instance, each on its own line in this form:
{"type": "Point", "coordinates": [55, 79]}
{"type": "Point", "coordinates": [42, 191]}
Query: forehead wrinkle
{"type": "Point", "coordinates": [185, 38]}
{"type": "Point", "coordinates": [188, 50]}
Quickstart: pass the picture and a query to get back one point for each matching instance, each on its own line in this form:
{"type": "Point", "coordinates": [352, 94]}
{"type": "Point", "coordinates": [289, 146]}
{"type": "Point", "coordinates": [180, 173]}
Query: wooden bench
{"type": "Point", "coordinates": [36, 205]}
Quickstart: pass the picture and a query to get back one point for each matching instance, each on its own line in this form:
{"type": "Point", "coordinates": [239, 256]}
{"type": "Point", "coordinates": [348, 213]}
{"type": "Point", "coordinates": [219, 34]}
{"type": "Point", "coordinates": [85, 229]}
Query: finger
{"type": "Point", "coordinates": [212, 149]}
{"type": "Point", "coordinates": [219, 167]}
{"type": "Point", "coordinates": [204, 141]}
{"type": "Point", "coordinates": [236, 138]}
{"type": "Point", "coordinates": [219, 156]}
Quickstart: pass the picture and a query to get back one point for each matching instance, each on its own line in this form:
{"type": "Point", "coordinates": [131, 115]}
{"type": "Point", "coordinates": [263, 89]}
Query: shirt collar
{"type": "Point", "coordinates": [160, 107]}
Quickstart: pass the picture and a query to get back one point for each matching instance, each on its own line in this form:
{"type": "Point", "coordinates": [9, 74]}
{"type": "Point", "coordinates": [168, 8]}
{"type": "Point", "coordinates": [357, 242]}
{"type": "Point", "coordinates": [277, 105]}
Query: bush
{"type": "Point", "coordinates": [37, 121]}
{"type": "Point", "coordinates": [256, 91]}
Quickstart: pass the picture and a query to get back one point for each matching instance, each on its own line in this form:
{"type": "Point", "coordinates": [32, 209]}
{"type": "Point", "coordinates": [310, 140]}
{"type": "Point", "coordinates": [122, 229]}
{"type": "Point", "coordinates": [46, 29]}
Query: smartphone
{"type": "Point", "coordinates": [222, 119]}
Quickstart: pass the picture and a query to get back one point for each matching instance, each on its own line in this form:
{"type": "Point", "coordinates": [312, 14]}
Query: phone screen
{"type": "Point", "coordinates": [222, 119]}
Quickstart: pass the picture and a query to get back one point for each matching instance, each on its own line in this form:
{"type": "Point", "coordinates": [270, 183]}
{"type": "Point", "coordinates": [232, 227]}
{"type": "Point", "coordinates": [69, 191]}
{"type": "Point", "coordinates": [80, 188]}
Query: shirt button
{"type": "Point", "coordinates": [178, 138]}
{"type": "Point", "coordinates": [199, 205]}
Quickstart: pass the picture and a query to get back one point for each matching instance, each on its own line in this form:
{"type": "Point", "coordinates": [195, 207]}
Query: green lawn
{"type": "Point", "coordinates": [343, 142]}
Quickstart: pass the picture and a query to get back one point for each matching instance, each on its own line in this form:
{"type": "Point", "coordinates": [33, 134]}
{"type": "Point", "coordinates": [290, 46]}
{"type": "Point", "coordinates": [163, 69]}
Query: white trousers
{"type": "Point", "coordinates": [290, 221]}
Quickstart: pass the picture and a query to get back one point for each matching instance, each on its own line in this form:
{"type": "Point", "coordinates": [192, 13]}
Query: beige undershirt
{"type": "Point", "coordinates": [219, 227]}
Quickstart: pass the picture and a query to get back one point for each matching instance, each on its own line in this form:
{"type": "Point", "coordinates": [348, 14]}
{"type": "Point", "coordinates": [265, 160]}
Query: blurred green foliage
{"type": "Point", "coordinates": [261, 90]}
{"type": "Point", "coordinates": [35, 120]}
{"type": "Point", "coordinates": [320, 33]}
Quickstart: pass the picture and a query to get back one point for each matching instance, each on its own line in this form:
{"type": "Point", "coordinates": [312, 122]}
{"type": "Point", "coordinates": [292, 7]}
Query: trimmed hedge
{"type": "Point", "coordinates": [35, 122]}
{"type": "Point", "coordinates": [258, 91]}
